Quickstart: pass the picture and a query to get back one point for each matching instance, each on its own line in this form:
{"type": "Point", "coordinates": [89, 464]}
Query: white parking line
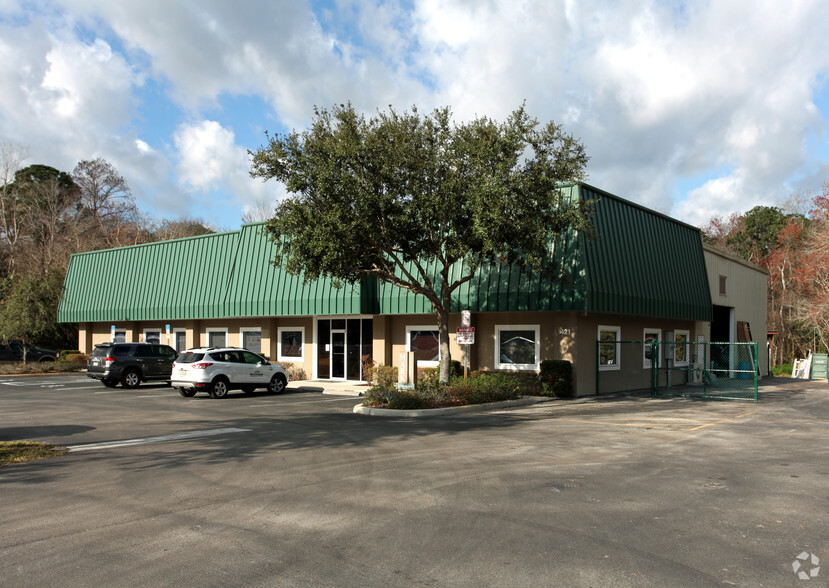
{"type": "Point", "coordinates": [276, 401]}
{"type": "Point", "coordinates": [158, 439]}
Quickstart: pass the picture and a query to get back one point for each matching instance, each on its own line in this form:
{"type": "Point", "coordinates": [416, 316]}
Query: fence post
{"type": "Point", "coordinates": [598, 355]}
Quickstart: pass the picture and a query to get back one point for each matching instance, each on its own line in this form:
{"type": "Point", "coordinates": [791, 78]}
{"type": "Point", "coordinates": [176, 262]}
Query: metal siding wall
{"type": "Point", "coordinates": [643, 263]}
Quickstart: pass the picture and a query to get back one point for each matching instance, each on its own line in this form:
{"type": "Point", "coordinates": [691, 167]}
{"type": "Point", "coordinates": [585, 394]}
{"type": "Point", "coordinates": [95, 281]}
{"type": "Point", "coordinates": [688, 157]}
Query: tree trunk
{"type": "Point", "coordinates": [443, 339]}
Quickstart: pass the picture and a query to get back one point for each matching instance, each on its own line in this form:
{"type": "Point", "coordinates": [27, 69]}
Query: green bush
{"type": "Point", "coordinates": [75, 357]}
{"type": "Point", "coordinates": [378, 396]}
{"type": "Point", "coordinates": [784, 369]}
{"type": "Point", "coordinates": [385, 376]}
{"type": "Point", "coordinates": [480, 388]}
{"type": "Point", "coordinates": [556, 378]}
{"type": "Point", "coordinates": [407, 401]}
{"type": "Point", "coordinates": [64, 352]}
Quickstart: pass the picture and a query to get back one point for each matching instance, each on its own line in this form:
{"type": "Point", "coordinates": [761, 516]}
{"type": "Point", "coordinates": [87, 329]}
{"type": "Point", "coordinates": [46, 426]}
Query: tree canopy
{"type": "Point", "coordinates": [794, 246]}
{"type": "Point", "coordinates": [404, 196]}
{"type": "Point", "coordinates": [46, 215]}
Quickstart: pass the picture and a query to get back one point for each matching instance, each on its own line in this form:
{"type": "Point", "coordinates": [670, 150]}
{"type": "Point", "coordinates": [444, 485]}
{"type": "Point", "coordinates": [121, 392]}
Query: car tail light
{"type": "Point", "coordinates": [109, 360]}
{"type": "Point", "coordinates": [201, 366]}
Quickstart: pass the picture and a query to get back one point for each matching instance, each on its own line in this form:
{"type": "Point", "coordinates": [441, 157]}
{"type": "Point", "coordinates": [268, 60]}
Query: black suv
{"type": "Point", "coordinates": [130, 363]}
{"type": "Point", "coordinates": [12, 350]}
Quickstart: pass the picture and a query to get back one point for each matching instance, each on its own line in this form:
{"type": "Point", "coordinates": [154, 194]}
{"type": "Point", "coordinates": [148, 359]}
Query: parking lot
{"type": "Point", "coordinates": [296, 490]}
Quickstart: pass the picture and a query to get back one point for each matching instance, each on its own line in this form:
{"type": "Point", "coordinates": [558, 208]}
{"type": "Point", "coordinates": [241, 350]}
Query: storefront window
{"type": "Point", "coordinates": [291, 341]}
{"type": "Point", "coordinates": [424, 341]}
{"type": "Point", "coordinates": [609, 352]}
{"type": "Point", "coordinates": [517, 347]}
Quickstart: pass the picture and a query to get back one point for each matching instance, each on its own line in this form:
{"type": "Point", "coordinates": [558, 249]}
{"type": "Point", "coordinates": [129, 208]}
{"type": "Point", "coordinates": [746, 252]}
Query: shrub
{"type": "Point", "coordinates": [406, 401]}
{"type": "Point", "coordinates": [556, 378]}
{"type": "Point", "coordinates": [64, 352]}
{"type": "Point", "coordinates": [368, 367]}
{"type": "Point", "coordinates": [784, 369]}
{"type": "Point", "coordinates": [75, 357]}
{"type": "Point", "coordinates": [295, 371]}
{"type": "Point", "coordinates": [378, 396]}
{"type": "Point", "coordinates": [385, 376]}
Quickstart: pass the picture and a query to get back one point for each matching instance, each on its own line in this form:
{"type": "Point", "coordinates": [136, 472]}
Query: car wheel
{"type": "Point", "coordinates": [187, 392]}
{"type": "Point", "coordinates": [109, 383]}
{"type": "Point", "coordinates": [277, 385]}
{"type": "Point", "coordinates": [46, 359]}
{"type": "Point", "coordinates": [219, 388]}
{"type": "Point", "coordinates": [131, 379]}
{"type": "Point", "coordinates": [248, 388]}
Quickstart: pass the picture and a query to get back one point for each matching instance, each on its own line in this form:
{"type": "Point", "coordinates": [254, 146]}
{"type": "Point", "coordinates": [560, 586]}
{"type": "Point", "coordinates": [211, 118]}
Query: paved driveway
{"type": "Point", "coordinates": [296, 490]}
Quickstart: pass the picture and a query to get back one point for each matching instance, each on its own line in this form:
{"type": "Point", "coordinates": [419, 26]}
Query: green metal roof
{"type": "Point", "coordinates": [211, 276]}
{"type": "Point", "coordinates": [640, 263]}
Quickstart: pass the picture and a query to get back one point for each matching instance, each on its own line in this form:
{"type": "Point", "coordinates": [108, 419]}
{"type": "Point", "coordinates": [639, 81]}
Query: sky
{"type": "Point", "coordinates": [695, 109]}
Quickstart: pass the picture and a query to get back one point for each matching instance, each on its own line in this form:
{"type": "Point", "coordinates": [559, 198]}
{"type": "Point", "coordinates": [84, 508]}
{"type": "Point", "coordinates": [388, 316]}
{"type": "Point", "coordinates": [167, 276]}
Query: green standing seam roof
{"type": "Point", "coordinates": [641, 263]}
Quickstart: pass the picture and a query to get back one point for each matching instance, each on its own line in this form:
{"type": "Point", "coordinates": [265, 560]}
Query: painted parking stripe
{"type": "Point", "coordinates": [157, 439]}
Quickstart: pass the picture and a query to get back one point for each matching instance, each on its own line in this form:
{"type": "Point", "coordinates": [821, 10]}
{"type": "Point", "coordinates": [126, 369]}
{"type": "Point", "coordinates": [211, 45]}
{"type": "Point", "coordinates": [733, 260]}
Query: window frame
{"type": "Point", "coordinates": [647, 363]}
{"type": "Point", "coordinates": [686, 347]}
{"type": "Point", "coordinates": [210, 330]}
{"type": "Point", "coordinates": [409, 329]}
{"type": "Point", "coordinates": [243, 330]}
{"type": "Point", "coordinates": [518, 367]}
{"type": "Point", "coordinates": [618, 348]}
{"type": "Point", "coordinates": [290, 358]}
{"type": "Point", "coordinates": [152, 330]}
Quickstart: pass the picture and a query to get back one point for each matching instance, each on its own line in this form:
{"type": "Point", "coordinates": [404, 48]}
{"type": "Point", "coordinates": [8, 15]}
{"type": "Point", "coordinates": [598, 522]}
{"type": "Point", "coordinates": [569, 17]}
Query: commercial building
{"type": "Point", "coordinates": [642, 276]}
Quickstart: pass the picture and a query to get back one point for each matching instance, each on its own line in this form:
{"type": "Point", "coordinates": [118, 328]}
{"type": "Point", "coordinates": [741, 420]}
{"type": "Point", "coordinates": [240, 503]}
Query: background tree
{"type": "Point", "coordinates": [46, 215]}
{"type": "Point", "coordinates": [28, 312]}
{"type": "Point", "coordinates": [107, 214]}
{"type": "Point", "coordinates": [405, 197]}
{"type": "Point", "coordinates": [793, 244]}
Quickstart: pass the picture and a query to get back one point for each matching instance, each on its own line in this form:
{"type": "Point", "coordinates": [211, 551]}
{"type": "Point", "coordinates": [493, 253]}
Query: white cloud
{"type": "Point", "coordinates": [209, 160]}
{"type": "Point", "coordinates": [658, 91]}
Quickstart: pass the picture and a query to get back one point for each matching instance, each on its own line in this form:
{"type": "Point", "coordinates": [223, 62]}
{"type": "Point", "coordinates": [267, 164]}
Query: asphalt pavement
{"type": "Point", "coordinates": [297, 490]}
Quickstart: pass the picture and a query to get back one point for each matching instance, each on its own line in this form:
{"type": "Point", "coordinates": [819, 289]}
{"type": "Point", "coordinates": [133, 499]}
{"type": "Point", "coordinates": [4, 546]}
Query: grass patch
{"type": "Point", "coordinates": [12, 452]}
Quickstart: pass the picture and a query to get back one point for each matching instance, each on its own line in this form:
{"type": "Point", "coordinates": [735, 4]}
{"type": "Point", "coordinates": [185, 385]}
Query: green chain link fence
{"type": "Point", "coordinates": [719, 371]}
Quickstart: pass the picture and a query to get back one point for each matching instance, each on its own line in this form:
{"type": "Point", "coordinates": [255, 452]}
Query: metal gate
{"type": "Point", "coordinates": [720, 371]}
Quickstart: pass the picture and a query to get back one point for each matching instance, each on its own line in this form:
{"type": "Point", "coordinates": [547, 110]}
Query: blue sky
{"type": "Point", "coordinates": [695, 109]}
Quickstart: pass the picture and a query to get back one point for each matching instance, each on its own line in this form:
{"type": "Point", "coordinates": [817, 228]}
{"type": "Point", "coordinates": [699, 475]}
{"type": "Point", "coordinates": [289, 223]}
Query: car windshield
{"type": "Point", "coordinates": [189, 357]}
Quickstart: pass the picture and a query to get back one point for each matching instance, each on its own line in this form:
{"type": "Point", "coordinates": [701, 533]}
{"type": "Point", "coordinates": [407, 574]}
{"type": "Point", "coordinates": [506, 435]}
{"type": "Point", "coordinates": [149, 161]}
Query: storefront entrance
{"type": "Point", "coordinates": [341, 343]}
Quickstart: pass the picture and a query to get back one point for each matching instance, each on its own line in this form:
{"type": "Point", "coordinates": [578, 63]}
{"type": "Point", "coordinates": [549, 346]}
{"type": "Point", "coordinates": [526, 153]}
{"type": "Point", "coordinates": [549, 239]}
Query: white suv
{"type": "Point", "coordinates": [218, 370]}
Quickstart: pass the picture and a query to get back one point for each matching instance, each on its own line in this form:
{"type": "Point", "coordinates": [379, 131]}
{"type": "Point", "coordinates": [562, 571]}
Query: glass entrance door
{"type": "Point", "coordinates": [340, 345]}
{"type": "Point", "coordinates": [337, 354]}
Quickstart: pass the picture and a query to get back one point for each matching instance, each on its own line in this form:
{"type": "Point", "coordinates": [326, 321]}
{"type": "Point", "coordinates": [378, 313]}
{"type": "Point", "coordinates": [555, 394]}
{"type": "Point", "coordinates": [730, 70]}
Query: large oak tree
{"type": "Point", "coordinates": [404, 197]}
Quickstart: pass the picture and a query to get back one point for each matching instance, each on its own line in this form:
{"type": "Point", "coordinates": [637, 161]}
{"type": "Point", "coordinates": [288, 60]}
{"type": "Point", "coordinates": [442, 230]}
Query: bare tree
{"type": "Point", "coordinates": [11, 214]}
{"type": "Point", "coordinates": [259, 212]}
{"type": "Point", "coordinates": [106, 205]}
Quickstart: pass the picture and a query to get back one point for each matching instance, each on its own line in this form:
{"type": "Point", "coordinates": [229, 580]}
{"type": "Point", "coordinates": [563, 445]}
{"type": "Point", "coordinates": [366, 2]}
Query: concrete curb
{"type": "Point", "coordinates": [434, 412]}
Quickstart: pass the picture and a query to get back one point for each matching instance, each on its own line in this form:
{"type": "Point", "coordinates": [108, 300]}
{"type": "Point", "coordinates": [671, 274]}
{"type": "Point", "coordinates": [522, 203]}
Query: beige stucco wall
{"type": "Point", "coordinates": [631, 373]}
{"type": "Point", "coordinates": [90, 334]}
{"type": "Point", "coordinates": [746, 292]}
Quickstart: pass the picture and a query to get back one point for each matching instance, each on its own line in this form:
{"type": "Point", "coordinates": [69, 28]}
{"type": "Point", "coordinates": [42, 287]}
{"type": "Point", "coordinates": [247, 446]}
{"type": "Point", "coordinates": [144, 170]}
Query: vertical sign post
{"type": "Point", "coordinates": [466, 337]}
